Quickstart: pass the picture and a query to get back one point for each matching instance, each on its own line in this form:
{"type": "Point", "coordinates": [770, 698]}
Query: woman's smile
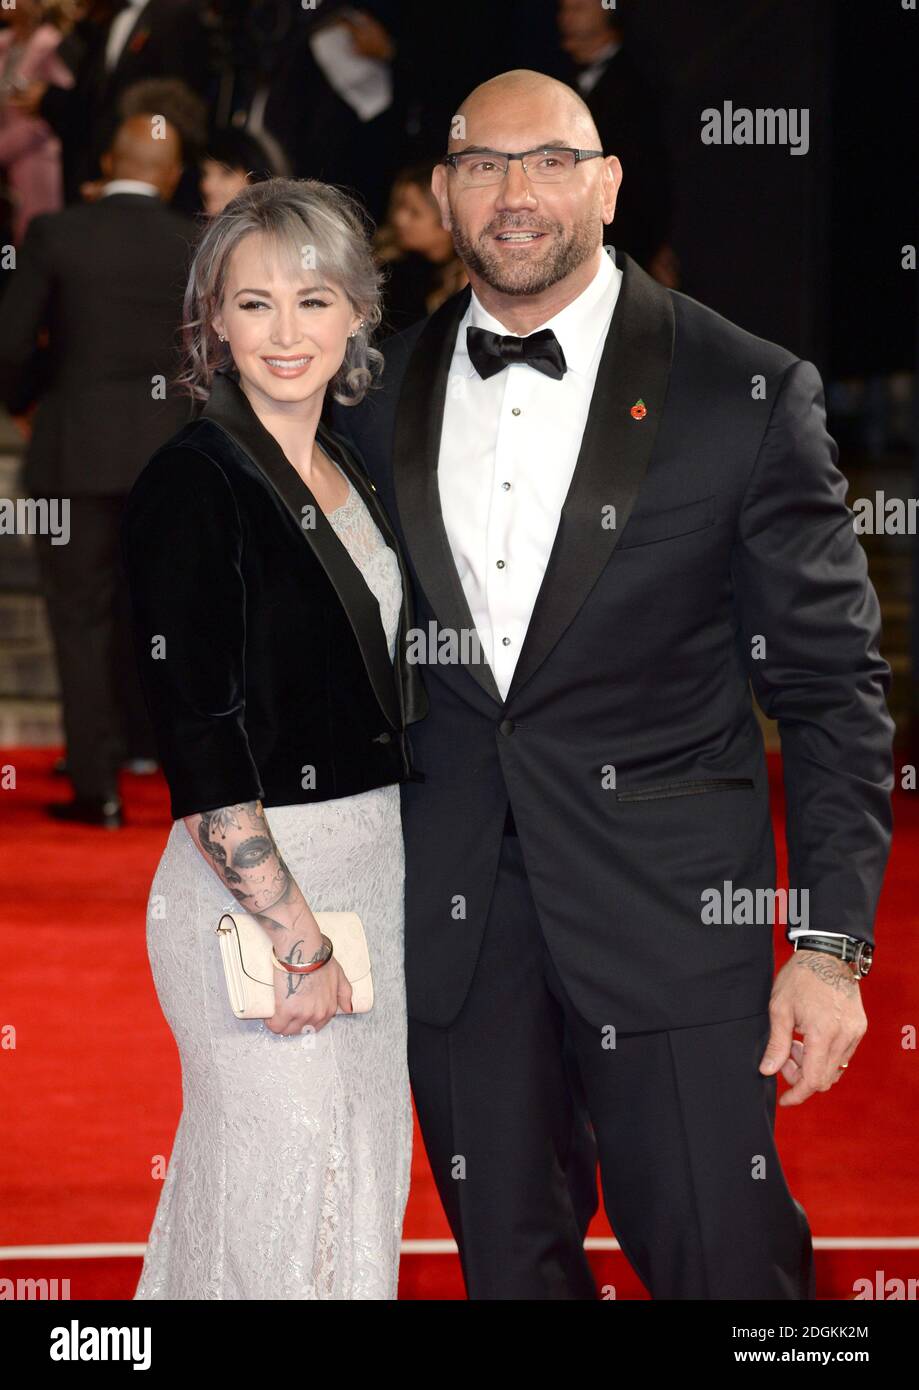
{"type": "Point", "coordinates": [287, 366]}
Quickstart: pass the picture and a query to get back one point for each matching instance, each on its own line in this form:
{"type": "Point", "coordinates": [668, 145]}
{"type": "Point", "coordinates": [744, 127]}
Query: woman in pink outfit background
{"type": "Point", "coordinates": [30, 152]}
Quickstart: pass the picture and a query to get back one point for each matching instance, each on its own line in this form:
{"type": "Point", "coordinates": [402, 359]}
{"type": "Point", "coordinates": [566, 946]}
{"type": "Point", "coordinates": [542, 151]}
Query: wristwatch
{"type": "Point", "coordinates": [857, 954]}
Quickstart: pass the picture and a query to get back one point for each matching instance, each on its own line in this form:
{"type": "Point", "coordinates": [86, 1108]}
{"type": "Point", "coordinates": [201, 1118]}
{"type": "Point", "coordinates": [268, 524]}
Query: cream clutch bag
{"type": "Point", "coordinates": [245, 948]}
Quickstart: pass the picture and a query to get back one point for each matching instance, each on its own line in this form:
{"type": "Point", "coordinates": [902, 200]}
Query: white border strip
{"type": "Point", "coordinates": [127, 1249]}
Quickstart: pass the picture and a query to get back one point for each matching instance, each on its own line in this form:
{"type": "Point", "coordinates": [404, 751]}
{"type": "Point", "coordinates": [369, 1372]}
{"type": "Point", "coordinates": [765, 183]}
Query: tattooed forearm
{"type": "Point", "coordinates": [828, 968]}
{"type": "Point", "coordinates": [238, 844]}
{"type": "Point", "coordinates": [243, 852]}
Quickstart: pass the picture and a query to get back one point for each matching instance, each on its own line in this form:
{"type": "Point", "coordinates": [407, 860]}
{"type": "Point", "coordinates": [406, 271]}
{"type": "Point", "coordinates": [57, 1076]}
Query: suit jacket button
{"type": "Point", "coordinates": [383, 738]}
{"type": "Point", "coordinates": [506, 726]}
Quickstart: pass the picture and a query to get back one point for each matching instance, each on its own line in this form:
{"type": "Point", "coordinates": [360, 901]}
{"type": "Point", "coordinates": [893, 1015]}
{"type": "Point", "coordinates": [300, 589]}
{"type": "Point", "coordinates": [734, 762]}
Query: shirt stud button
{"type": "Point", "coordinates": [516, 410]}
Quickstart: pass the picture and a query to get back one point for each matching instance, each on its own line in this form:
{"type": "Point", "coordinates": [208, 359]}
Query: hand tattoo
{"type": "Point", "coordinates": [830, 969]}
{"type": "Point", "coordinates": [295, 957]}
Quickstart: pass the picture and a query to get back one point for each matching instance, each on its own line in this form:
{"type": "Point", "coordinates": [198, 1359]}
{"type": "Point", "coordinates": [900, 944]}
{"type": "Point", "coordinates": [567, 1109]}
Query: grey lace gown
{"type": "Point", "coordinates": [289, 1171]}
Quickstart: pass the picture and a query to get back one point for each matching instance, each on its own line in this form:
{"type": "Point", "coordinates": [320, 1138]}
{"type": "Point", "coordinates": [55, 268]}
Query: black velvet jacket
{"type": "Point", "coordinates": [261, 649]}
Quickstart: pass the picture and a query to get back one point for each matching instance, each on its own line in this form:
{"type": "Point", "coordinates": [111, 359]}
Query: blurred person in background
{"type": "Point", "coordinates": [182, 109]}
{"type": "Point", "coordinates": [322, 91]}
{"type": "Point", "coordinates": [186, 111]}
{"type": "Point", "coordinates": [105, 280]}
{"type": "Point", "coordinates": [625, 109]}
{"type": "Point", "coordinates": [233, 159]}
{"type": "Point", "coordinates": [112, 47]}
{"type": "Point", "coordinates": [417, 251]}
{"type": "Point", "coordinates": [30, 152]}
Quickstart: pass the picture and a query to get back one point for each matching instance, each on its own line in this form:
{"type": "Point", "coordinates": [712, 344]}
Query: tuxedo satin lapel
{"type": "Point", "coordinates": [228, 408]}
{"type": "Point", "coordinates": [612, 461]}
{"type": "Point", "coordinates": [416, 447]}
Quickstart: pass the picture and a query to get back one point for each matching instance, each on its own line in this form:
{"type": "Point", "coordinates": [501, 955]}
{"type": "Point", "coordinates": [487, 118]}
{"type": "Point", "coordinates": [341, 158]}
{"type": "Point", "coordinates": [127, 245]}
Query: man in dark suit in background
{"type": "Point", "coordinates": [619, 510]}
{"type": "Point", "coordinates": [626, 112]}
{"type": "Point", "coordinates": [117, 44]}
{"type": "Point", "coordinates": [106, 280]}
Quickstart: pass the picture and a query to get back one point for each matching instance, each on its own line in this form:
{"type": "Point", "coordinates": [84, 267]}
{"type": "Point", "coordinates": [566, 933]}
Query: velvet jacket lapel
{"type": "Point", "coordinates": [613, 458]}
{"type": "Point", "coordinates": [228, 408]}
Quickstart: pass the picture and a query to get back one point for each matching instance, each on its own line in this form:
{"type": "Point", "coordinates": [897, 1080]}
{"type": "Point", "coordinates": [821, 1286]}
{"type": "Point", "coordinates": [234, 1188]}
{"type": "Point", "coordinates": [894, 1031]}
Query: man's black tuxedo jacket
{"type": "Point", "coordinates": [107, 280]}
{"type": "Point", "coordinates": [731, 526]}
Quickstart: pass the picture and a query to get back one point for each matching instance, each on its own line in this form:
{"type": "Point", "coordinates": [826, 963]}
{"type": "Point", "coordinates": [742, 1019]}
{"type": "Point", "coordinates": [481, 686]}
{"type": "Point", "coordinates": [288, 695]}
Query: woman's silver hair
{"type": "Point", "coordinates": [320, 228]}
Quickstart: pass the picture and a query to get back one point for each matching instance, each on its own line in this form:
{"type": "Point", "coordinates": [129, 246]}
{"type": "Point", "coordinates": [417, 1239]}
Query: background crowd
{"type": "Point", "coordinates": [362, 96]}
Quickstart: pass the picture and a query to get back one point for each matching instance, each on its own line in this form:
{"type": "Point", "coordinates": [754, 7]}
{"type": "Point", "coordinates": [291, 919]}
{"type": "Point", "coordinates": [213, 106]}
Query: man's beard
{"type": "Point", "coordinates": [530, 275]}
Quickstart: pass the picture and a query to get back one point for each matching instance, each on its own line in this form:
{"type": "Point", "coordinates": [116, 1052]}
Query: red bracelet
{"type": "Point", "coordinates": [304, 969]}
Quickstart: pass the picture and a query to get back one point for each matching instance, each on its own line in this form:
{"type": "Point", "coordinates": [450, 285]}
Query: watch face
{"type": "Point", "coordinates": [863, 958]}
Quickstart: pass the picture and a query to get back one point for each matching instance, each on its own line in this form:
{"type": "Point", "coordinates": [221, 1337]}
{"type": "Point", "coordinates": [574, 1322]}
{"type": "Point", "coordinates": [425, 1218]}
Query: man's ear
{"type": "Point", "coordinates": [105, 163]}
{"type": "Point", "coordinates": [612, 181]}
{"type": "Point", "coordinates": [439, 189]}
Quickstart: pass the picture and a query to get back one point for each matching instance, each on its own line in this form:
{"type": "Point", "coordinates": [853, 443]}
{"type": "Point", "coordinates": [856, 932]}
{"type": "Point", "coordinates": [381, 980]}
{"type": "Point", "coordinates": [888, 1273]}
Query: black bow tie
{"type": "Point", "coordinates": [492, 352]}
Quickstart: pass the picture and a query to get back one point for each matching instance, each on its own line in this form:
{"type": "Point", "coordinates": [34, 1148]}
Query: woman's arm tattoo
{"type": "Point", "coordinates": [237, 842]}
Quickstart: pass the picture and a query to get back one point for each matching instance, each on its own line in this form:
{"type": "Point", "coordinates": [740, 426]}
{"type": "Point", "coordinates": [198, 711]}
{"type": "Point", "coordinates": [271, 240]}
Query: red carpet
{"type": "Point", "coordinates": [91, 1080]}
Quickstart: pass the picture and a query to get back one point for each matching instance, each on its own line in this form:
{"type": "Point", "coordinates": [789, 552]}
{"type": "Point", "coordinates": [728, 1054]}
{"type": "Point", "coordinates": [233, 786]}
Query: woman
{"type": "Point", "coordinates": [422, 266]}
{"type": "Point", "coordinates": [270, 608]}
{"type": "Point", "coordinates": [30, 152]}
{"type": "Point", "coordinates": [234, 159]}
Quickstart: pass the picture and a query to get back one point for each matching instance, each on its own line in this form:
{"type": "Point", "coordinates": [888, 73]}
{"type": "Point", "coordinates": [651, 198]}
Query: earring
{"type": "Point", "coordinates": [222, 337]}
{"type": "Point", "coordinates": [357, 330]}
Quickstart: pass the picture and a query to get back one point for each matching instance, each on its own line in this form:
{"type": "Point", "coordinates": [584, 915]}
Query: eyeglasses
{"type": "Point", "coordinates": [547, 164]}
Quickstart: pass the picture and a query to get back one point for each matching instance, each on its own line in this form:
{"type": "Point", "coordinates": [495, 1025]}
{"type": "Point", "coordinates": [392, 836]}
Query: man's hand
{"type": "Point", "coordinates": [91, 190]}
{"type": "Point", "coordinates": [817, 995]}
{"type": "Point", "coordinates": [368, 36]}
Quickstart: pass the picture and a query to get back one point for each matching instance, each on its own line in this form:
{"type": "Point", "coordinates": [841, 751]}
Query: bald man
{"type": "Point", "coordinates": [106, 281]}
{"type": "Point", "coordinates": [620, 509]}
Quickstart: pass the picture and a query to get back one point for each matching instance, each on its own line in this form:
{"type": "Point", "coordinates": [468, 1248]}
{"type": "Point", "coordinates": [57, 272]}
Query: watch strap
{"type": "Point", "coordinates": [849, 949]}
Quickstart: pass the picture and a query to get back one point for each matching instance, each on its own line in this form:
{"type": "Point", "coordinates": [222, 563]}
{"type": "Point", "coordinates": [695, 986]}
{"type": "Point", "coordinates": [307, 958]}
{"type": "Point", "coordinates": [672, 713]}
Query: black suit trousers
{"type": "Point", "coordinates": [86, 593]}
{"type": "Point", "coordinates": [518, 1097]}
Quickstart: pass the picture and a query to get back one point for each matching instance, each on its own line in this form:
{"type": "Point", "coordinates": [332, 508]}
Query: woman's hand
{"type": "Point", "coordinates": [28, 98]}
{"type": "Point", "coordinates": [308, 1001]}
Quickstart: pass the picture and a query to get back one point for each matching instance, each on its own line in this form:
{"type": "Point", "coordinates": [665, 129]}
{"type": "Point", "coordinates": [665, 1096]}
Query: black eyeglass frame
{"type": "Point", "coordinates": [537, 149]}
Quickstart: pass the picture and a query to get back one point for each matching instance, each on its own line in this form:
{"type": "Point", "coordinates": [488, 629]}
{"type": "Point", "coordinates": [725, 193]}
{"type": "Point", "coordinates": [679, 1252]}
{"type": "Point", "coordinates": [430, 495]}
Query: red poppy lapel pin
{"type": "Point", "coordinates": [139, 39]}
{"type": "Point", "coordinates": [639, 410]}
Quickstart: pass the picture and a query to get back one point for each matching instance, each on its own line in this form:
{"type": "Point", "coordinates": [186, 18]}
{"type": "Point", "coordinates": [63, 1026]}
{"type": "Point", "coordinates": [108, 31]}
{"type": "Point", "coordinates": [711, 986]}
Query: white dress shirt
{"type": "Point", "coordinates": [119, 30]}
{"type": "Point", "coordinates": [508, 449]}
{"type": "Point", "coordinates": [591, 73]}
{"type": "Point", "coordinates": [130, 186]}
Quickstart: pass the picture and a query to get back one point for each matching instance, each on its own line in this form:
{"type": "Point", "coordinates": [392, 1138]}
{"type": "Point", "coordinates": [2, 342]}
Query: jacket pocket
{"type": "Point", "coordinates": [688, 788]}
{"type": "Point", "coordinates": [667, 525]}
